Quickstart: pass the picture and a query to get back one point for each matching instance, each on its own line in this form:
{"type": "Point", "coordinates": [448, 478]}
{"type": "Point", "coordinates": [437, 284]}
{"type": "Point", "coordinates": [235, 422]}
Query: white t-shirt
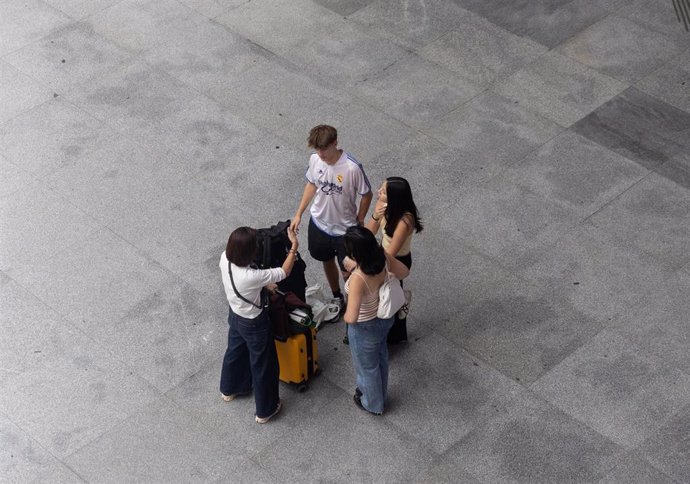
{"type": "Point", "coordinates": [334, 208]}
{"type": "Point", "coordinates": [248, 282]}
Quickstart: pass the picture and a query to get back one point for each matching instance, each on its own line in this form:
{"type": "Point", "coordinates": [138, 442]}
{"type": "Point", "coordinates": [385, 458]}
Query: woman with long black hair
{"type": "Point", "coordinates": [397, 218]}
{"type": "Point", "coordinates": [366, 331]}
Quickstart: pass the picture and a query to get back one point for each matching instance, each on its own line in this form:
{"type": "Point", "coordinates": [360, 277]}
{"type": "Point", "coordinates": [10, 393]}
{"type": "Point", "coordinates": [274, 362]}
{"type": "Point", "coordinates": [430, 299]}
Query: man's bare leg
{"type": "Point", "coordinates": [332, 274]}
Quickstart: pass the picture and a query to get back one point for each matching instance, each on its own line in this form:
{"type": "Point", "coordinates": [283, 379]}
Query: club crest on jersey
{"type": "Point", "coordinates": [339, 178]}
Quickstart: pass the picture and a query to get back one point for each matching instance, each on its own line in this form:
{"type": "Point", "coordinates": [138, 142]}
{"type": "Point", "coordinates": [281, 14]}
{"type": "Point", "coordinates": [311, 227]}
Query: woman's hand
{"type": "Point", "coordinates": [292, 236]}
{"type": "Point", "coordinates": [380, 209]}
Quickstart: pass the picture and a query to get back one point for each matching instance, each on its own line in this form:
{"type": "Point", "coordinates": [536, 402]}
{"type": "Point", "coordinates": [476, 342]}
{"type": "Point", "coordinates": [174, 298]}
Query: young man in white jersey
{"type": "Point", "coordinates": [334, 181]}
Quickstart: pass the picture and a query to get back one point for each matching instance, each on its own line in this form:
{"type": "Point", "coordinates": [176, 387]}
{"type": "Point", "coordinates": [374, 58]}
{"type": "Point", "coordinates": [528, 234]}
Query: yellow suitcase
{"type": "Point", "coordinates": [298, 358]}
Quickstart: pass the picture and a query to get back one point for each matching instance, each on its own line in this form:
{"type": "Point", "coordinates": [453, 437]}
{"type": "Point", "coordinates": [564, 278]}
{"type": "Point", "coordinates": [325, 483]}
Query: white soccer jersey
{"type": "Point", "coordinates": [334, 208]}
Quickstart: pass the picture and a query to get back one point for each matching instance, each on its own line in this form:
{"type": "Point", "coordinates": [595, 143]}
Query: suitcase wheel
{"type": "Point", "coordinates": [302, 387]}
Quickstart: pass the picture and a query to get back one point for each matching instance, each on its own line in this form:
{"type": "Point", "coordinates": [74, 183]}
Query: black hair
{"type": "Point", "coordinates": [363, 248]}
{"type": "Point", "coordinates": [399, 202]}
{"type": "Point", "coordinates": [241, 248]}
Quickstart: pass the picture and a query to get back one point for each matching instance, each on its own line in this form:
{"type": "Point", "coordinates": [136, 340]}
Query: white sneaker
{"type": "Point", "coordinates": [263, 420]}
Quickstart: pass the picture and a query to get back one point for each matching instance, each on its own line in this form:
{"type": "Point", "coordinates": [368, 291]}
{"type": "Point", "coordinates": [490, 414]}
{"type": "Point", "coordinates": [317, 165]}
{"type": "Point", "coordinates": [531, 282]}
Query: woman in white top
{"type": "Point", "coordinates": [250, 359]}
{"type": "Point", "coordinates": [366, 332]}
{"type": "Point", "coordinates": [397, 218]}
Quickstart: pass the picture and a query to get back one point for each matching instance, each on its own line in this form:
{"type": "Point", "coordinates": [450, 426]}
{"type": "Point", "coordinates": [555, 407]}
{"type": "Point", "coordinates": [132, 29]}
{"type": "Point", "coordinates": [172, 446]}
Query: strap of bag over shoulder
{"type": "Point", "coordinates": [234, 288]}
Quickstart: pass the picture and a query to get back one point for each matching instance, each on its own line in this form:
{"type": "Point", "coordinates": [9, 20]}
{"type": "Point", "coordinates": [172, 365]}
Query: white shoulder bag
{"type": "Point", "coordinates": [391, 296]}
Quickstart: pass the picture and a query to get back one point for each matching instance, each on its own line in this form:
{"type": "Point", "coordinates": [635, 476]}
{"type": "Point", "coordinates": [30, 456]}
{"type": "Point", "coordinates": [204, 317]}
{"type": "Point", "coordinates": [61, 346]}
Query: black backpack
{"type": "Point", "coordinates": [273, 245]}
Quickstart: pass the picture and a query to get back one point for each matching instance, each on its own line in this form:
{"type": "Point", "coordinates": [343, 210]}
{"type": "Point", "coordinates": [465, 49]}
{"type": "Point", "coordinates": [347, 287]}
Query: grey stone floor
{"type": "Point", "coordinates": [548, 145]}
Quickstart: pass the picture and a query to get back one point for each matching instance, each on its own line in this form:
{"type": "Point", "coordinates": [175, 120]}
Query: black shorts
{"type": "Point", "coordinates": [323, 247]}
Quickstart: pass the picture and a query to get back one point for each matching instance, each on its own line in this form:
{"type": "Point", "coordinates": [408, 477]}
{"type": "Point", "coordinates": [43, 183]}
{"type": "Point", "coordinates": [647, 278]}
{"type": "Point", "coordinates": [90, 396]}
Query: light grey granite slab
{"type": "Point", "coordinates": [621, 48]}
{"type": "Point", "coordinates": [149, 318]}
{"type": "Point", "coordinates": [634, 470]}
{"type": "Point", "coordinates": [498, 217]}
{"type": "Point", "coordinates": [493, 130]}
{"type": "Point", "coordinates": [528, 440]}
{"type": "Point", "coordinates": [117, 178]}
{"type": "Point", "coordinates": [51, 136]}
{"type": "Point", "coordinates": [90, 390]}
{"type": "Point", "coordinates": [658, 15]}
{"type": "Point", "coordinates": [12, 178]}
{"type": "Point", "coordinates": [363, 131]}
{"type": "Point", "coordinates": [162, 443]}
{"type": "Point", "coordinates": [24, 22]}
{"type": "Point", "coordinates": [133, 98]}
{"type": "Point", "coordinates": [559, 88]}
{"type": "Point", "coordinates": [521, 330]}
{"type": "Point", "coordinates": [207, 57]}
{"type": "Point", "coordinates": [454, 392]}
{"type": "Point", "coordinates": [137, 24]}
{"type": "Point", "coordinates": [600, 275]}
{"type": "Point", "coordinates": [671, 83]}
{"type": "Point", "coordinates": [653, 215]}
{"type": "Point", "coordinates": [617, 389]}
{"type": "Point", "coordinates": [19, 93]}
{"type": "Point", "coordinates": [415, 91]}
{"type": "Point", "coordinates": [381, 453]}
{"type": "Point", "coordinates": [270, 95]}
{"type": "Point", "coordinates": [668, 448]}
{"type": "Point", "coordinates": [481, 52]}
{"type": "Point", "coordinates": [34, 221]}
{"type": "Point", "coordinates": [74, 53]}
{"type": "Point", "coordinates": [213, 8]}
{"type": "Point", "coordinates": [659, 322]}
{"type": "Point", "coordinates": [24, 460]}
{"type": "Point", "coordinates": [343, 7]}
{"type": "Point", "coordinates": [78, 9]}
{"type": "Point", "coordinates": [412, 24]}
{"type": "Point", "coordinates": [575, 173]}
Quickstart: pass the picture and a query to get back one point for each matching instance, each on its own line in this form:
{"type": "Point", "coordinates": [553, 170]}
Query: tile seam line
{"type": "Point", "coordinates": [42, 447]}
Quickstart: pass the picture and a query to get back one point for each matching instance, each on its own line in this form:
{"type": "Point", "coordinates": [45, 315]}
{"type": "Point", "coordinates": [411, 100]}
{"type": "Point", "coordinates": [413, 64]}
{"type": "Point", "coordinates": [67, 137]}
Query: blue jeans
{"type": "Point", "coordinates": [251, 360]}
{"type": "Point", "coordinates": [370, 358]}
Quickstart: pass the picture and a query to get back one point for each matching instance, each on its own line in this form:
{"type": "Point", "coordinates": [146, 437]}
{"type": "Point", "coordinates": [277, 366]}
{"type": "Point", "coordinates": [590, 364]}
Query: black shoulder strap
{"type": "Point", "coordinates": [232, 281]}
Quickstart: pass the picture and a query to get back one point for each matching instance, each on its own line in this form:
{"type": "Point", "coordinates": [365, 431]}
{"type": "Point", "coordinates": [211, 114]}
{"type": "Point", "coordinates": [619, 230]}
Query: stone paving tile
{"type": "Point", "coordinates": [528, 440]}
{"type": "Point", "coordinates": [19, 93]}
{"type": "Point", "coordinates": [508, 131]}
{"type": "Point", "coordinates": [548, 22]}
{"type": "Point", "coordinates": [363, 131]}
{"type": "Point", "coordinates": [671, 83]}
{"type": "Point", "coordinates": [90, 391]}
{"type": "Point", "coordinates": [343, 7]}
{"type": "Point", "coordinates": [600, 275]}
{"type": "Point", "coordinates": [668, 448]}
{"type": "Point", "coordinates": [559, 88]}
{"type": "Point", "coordinates": [653, 215]}
{"type": "Point", "coordinates": [575, 173]}
{"type": "Point", "coordinates": [412, 24]}
{"type": "Point", "coordinates": [184, 449]}
{"type": "Point", "coordinates": [213, 8]}
{"type": "Point", "coordinates": [481, 52]}
{"type": "Point", "coordinates": [78, 9]}
{"type": "Point", "coordinates": [12, 178]}
{"type": "Point", "coordinates": [150, 319]}
{"type": "Point", "coordinates": [36, 220]}
{"type": "Point", "coordinates": [617, 389]}
{"type": "Point", "coordinates": [51, 136]}
{"type": "Point", "coordinates": [415, 91]}
{"type": "Point", "coordinates": [74, 53]}
{"type": "Point", "coordinates": [658, 15]}
{"type": "Point", "coordinates": [137, 24]}
{"type": "Point", "coordinates": [471, 392]}
{"type": "Point", "coordinates": [633, 470]}
{"type": "Point", "coordinates": [23, 460]}
{"type": "Point", "coordinates": [658, 323]}
{"type": "Point", "coordinates": [381, 453]}
{"type": "Point", "coordinates": [24, 22]}
{"type": "Point", "coordinates": [639, 127]}
{"type": "Point", "coordinates": [621, 48]}
{"type": "Point", "coordinates": [521, 330]}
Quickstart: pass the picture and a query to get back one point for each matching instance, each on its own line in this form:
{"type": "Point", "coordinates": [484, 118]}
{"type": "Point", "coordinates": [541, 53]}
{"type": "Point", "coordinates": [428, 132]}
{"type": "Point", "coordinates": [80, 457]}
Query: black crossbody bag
{"type": "Point", "coordinates": [264, 298]}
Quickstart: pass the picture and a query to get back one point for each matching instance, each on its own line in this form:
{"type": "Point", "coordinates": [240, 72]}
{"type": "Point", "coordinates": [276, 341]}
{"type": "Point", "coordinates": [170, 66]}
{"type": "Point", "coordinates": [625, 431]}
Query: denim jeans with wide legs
{"type": "Point", "coordinates": [370, 358]}
{"type": "Point", "coordinates": [251, 360]}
